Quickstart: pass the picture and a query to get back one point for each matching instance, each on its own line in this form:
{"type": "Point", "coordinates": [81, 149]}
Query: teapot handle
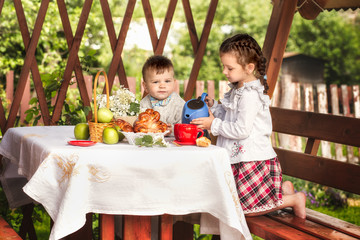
{"type": "Point", "coordinates": [203, 96]}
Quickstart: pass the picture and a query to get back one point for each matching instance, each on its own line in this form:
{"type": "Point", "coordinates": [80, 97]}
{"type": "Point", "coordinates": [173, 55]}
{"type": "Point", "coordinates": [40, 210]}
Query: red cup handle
{"type": "Point", "coordinates": [202, 132]}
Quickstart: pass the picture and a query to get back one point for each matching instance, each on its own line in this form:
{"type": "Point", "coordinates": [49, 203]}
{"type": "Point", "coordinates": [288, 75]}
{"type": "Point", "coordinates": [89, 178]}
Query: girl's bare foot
{"type": "Point", "coordinates": [288, 188]}
{"type": "Point", "coordinates": [299, 208]}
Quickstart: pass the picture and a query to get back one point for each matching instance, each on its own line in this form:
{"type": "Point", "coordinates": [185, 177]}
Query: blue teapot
{"type": "Point", "coordinates": [195, 108]}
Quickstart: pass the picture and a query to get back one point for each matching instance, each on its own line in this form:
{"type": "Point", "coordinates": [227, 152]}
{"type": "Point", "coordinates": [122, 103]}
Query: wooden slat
{"type": "Point", "coordinates": [29, 58]}
{"type": "Point", "coordinates": [269, 229]}
{"type": "Point", "coordinates": [276, 38]}
{"type": "Point", "coordinates": [1, 5]}
{"type": "Point", "coordinates": [312, 228]}
{"type": "Point", "coordinates": [112, 37]}
{"type": "Point", "coordinates": [332, 173]}
{"type": "Point", "coordinates": [2, 118]}
{"type": "Point", "coordinates": [165, 28]}
{"type": "Point", "coordinates": [107, 228]}
{"type": "Point", "coordinates": [338, 129]}
{"type": "Point", "coordinates": [334, 223]}
{"type": "Point", "coordinates": [34, 67]}
{"type": "Point", "coordinates": [77, 68]}
{"type": "Point", "coordinates": [166, 227]}
{"type": "Point", "coordinates": [201, 50]}
{"type": "Point", "coordinates": [150, 23]}
{"type": "Point", "coordinates": [137, 227]}
{"type": "Point", "coordinates": [191, 25]}
{"type": "Point", "coordinates": [116, 60]}
{"type": "Point", "coordinates": [73, 55]}
{"type": "Point", "coordinates": [6, 232]}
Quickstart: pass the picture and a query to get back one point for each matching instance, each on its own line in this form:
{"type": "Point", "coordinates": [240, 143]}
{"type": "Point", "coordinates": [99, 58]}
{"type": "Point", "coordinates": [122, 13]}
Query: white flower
{"type": "Point", "coordinates": [122, 103]}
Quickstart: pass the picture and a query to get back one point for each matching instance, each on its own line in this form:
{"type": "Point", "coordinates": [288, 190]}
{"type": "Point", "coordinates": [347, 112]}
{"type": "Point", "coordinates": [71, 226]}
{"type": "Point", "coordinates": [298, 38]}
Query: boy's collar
{"type": "Point", "coordinates": [155, 102]}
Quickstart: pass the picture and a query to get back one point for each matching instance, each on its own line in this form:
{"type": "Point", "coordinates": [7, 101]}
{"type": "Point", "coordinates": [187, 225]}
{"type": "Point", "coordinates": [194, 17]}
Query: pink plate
{"type": "Point", "coordinates": [185, 143]}
{"type": "Point", "coordinates": [81, 143]}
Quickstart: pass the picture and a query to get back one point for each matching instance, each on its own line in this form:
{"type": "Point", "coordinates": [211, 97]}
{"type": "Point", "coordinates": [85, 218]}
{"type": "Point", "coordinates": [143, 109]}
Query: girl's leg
{"type": "Point", "coordinates": [296, 201]}
{"type": "Point", "coordinates": [288, 188]}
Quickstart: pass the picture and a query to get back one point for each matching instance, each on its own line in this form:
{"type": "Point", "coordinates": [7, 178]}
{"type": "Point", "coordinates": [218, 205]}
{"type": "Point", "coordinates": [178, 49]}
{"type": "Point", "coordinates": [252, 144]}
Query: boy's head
{"type": "Point", "coordinates": [158, 76]}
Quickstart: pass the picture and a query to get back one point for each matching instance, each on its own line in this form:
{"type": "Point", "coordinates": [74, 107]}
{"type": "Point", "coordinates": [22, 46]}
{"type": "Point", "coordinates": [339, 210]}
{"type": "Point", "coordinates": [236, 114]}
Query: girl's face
{"type": "Point", "coordinates": [234, 72]}
{"type": "Point", "coordinates": [159, 86]}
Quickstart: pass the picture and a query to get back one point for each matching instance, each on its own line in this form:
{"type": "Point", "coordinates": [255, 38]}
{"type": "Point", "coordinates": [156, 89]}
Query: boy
{"type": "Point", "coordinates": [159, 83]}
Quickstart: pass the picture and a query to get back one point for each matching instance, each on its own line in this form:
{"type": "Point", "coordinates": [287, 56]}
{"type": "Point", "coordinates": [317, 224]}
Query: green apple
{"type": "Point", "coordinates": [110, 135]}
{"type": "Point", "coordinates": [81, 131]}
{"type": "Point", "coordinates": [121, 135]}
{"type": "Point", "coordinates": [104, 115]}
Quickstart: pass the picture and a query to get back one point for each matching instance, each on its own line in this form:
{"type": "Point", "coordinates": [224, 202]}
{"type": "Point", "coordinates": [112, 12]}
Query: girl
{"type": "Point", "coordinates": [243, 125]}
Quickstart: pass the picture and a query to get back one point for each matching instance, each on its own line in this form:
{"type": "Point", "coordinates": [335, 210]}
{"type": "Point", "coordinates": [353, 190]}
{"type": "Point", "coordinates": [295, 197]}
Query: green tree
{"type": "Point", "coordinates": [333, 38]}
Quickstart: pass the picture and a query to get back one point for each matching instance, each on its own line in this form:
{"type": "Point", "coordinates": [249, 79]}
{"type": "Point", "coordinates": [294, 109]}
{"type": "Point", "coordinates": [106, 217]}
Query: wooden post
{"type": "Point", "coordinates": [335, 110]}
{"type": "Point", "coordinates": [323, 108]}
{"type": "Point", "coordinates": [211, 88]}
{"type": "Point", "coordinates": [200, 87]}
{"type": "Point", "coordinates": [137, 227]}
{"type": "Point", "coordinates": [356, 97]}
{"type": "Point", "coordinates": [223, 88]}
{"type": "Point", "coordinates": [24, 105]}
{"type": "Point", "coordinates": [290, 99]}
{"type": "Point", "coordinates": [346, 111]}
{"type": "Point", "coordinates": [9, 86]}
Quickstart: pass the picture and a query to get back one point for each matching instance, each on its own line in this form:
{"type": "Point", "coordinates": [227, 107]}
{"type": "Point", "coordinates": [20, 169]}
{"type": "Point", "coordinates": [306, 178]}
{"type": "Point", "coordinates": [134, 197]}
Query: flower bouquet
{"type": "Point", "coordinates": [123, 104]}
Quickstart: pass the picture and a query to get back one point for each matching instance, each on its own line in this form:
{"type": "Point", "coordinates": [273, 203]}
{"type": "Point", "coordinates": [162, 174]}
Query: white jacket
{"type": "Point", "coordinates": [243, 123]}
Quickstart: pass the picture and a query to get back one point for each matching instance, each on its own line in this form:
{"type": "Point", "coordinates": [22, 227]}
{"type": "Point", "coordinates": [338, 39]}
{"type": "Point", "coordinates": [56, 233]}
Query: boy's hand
{"type": "Point", "coordinates": [204, 122]}
{"type": "Point", "coordinates": [169, 128]}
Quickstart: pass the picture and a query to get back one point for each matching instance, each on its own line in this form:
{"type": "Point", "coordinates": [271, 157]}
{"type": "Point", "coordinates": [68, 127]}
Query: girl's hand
{"type": "Point", "coordinates": [209, 101]}
{"type": "Point", "coordinates": [204, 122]}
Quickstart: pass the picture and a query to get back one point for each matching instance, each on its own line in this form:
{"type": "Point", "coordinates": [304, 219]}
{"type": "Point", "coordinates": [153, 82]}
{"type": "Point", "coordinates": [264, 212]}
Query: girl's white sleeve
{"type": "Point", "coordinates": [247, 109]}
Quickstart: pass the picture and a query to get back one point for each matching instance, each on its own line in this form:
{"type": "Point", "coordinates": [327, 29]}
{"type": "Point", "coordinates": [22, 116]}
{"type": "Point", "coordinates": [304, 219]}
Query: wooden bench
{"type": "Point", "coordinates": [6, 231]}
{"type": "Point", "coordinates": [328, 172]}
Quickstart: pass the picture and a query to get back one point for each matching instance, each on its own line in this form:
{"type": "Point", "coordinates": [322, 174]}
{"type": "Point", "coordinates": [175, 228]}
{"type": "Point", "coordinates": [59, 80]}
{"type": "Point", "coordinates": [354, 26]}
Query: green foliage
{"type": "Point", "coordinates": [333, 38]}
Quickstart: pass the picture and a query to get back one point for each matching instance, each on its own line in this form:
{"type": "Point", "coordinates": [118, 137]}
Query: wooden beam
{"type": "Point", "coordinates": [77, 68]}
{"type": "Point", "coordinates": [328, 172]}
{"type": "Point", "coordinates": [112, 37]}
{"type": "Point", "coordinates": [1, 5]}
{"type": "Point", "coordinates": [165, 28]}
{"type": "Point", "coordinates": [191, 25]}
{"type": "Point", "coordinates": [116, 60]}
{"type": "Point", "coordinates": [29, 58]}
{"type": "Point", "coordinates": [276, 38]}
{"type": "Point", "coordinates": [34, 67]}
{"type": "Point", "coordinates": [201, 50]}
{"type": "Point", "coordinates": [344, 130]}
{"type": "Point", "coordinates": [73, 54]}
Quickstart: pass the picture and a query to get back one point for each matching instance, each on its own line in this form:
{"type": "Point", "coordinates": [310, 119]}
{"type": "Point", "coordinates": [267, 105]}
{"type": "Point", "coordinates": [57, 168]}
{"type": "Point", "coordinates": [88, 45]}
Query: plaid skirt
{"type": "Point", "coordinates": [258, 184]}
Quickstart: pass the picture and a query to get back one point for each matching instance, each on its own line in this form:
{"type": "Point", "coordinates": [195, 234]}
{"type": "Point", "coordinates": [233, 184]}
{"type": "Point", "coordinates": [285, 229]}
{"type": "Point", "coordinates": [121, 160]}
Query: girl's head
{"type": "Point", "coordinates": [248, 55]}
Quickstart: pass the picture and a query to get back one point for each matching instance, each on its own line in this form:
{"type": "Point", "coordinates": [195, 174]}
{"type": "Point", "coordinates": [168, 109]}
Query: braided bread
{"type": "Point", "coordinates": [149, 122]}
{"type": "Point", "coordinates": [124, 125]}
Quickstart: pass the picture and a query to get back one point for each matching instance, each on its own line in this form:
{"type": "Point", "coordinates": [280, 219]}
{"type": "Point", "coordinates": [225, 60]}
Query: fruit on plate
{"type": "Point", "coordinates": [104, 115]}
{"type": "Point", "coordinates": [121, 135]}
{"type": "Point", "coordinates": [110, 135]}
{"type": "Point", "coordinates": [81, 131]}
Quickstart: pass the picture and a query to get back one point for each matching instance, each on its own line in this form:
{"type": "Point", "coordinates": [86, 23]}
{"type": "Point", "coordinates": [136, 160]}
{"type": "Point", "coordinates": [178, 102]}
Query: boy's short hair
{"type": "Point", "coordinates": [158, 63]}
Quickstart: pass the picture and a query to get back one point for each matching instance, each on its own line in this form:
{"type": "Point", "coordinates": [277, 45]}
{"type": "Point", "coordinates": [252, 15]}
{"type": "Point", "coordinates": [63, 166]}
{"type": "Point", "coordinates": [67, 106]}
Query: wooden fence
{"type": "Point", "coordinates": [333, 99]}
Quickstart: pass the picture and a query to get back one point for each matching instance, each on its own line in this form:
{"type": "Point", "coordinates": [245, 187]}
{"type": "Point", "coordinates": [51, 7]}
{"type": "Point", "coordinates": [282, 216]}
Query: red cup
{"type": "Point", "coordinates": [187, 133]}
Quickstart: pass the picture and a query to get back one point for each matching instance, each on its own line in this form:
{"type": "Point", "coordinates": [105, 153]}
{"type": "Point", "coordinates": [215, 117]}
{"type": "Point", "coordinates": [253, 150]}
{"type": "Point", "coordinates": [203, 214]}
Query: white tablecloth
{"type": "Point", "coordinates": [123, 179]}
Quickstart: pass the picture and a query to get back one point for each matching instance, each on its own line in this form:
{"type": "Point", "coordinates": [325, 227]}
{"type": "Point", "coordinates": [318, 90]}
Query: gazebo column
{"type": "Point", "coordinates": [276, 38]}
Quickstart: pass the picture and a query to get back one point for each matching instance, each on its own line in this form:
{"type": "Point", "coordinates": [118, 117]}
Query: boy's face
{"type": "Point", "coordinates": [159, 86]}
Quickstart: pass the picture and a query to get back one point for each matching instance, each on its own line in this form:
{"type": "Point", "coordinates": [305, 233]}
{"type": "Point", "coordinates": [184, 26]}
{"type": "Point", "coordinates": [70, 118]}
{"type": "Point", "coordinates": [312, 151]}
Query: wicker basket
{"type": "Point", "coordinates": [96, 129]}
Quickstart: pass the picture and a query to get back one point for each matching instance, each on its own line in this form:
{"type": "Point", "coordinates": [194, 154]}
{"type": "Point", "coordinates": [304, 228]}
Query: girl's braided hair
{"type": "Point", "coordinates": [247, 50]}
